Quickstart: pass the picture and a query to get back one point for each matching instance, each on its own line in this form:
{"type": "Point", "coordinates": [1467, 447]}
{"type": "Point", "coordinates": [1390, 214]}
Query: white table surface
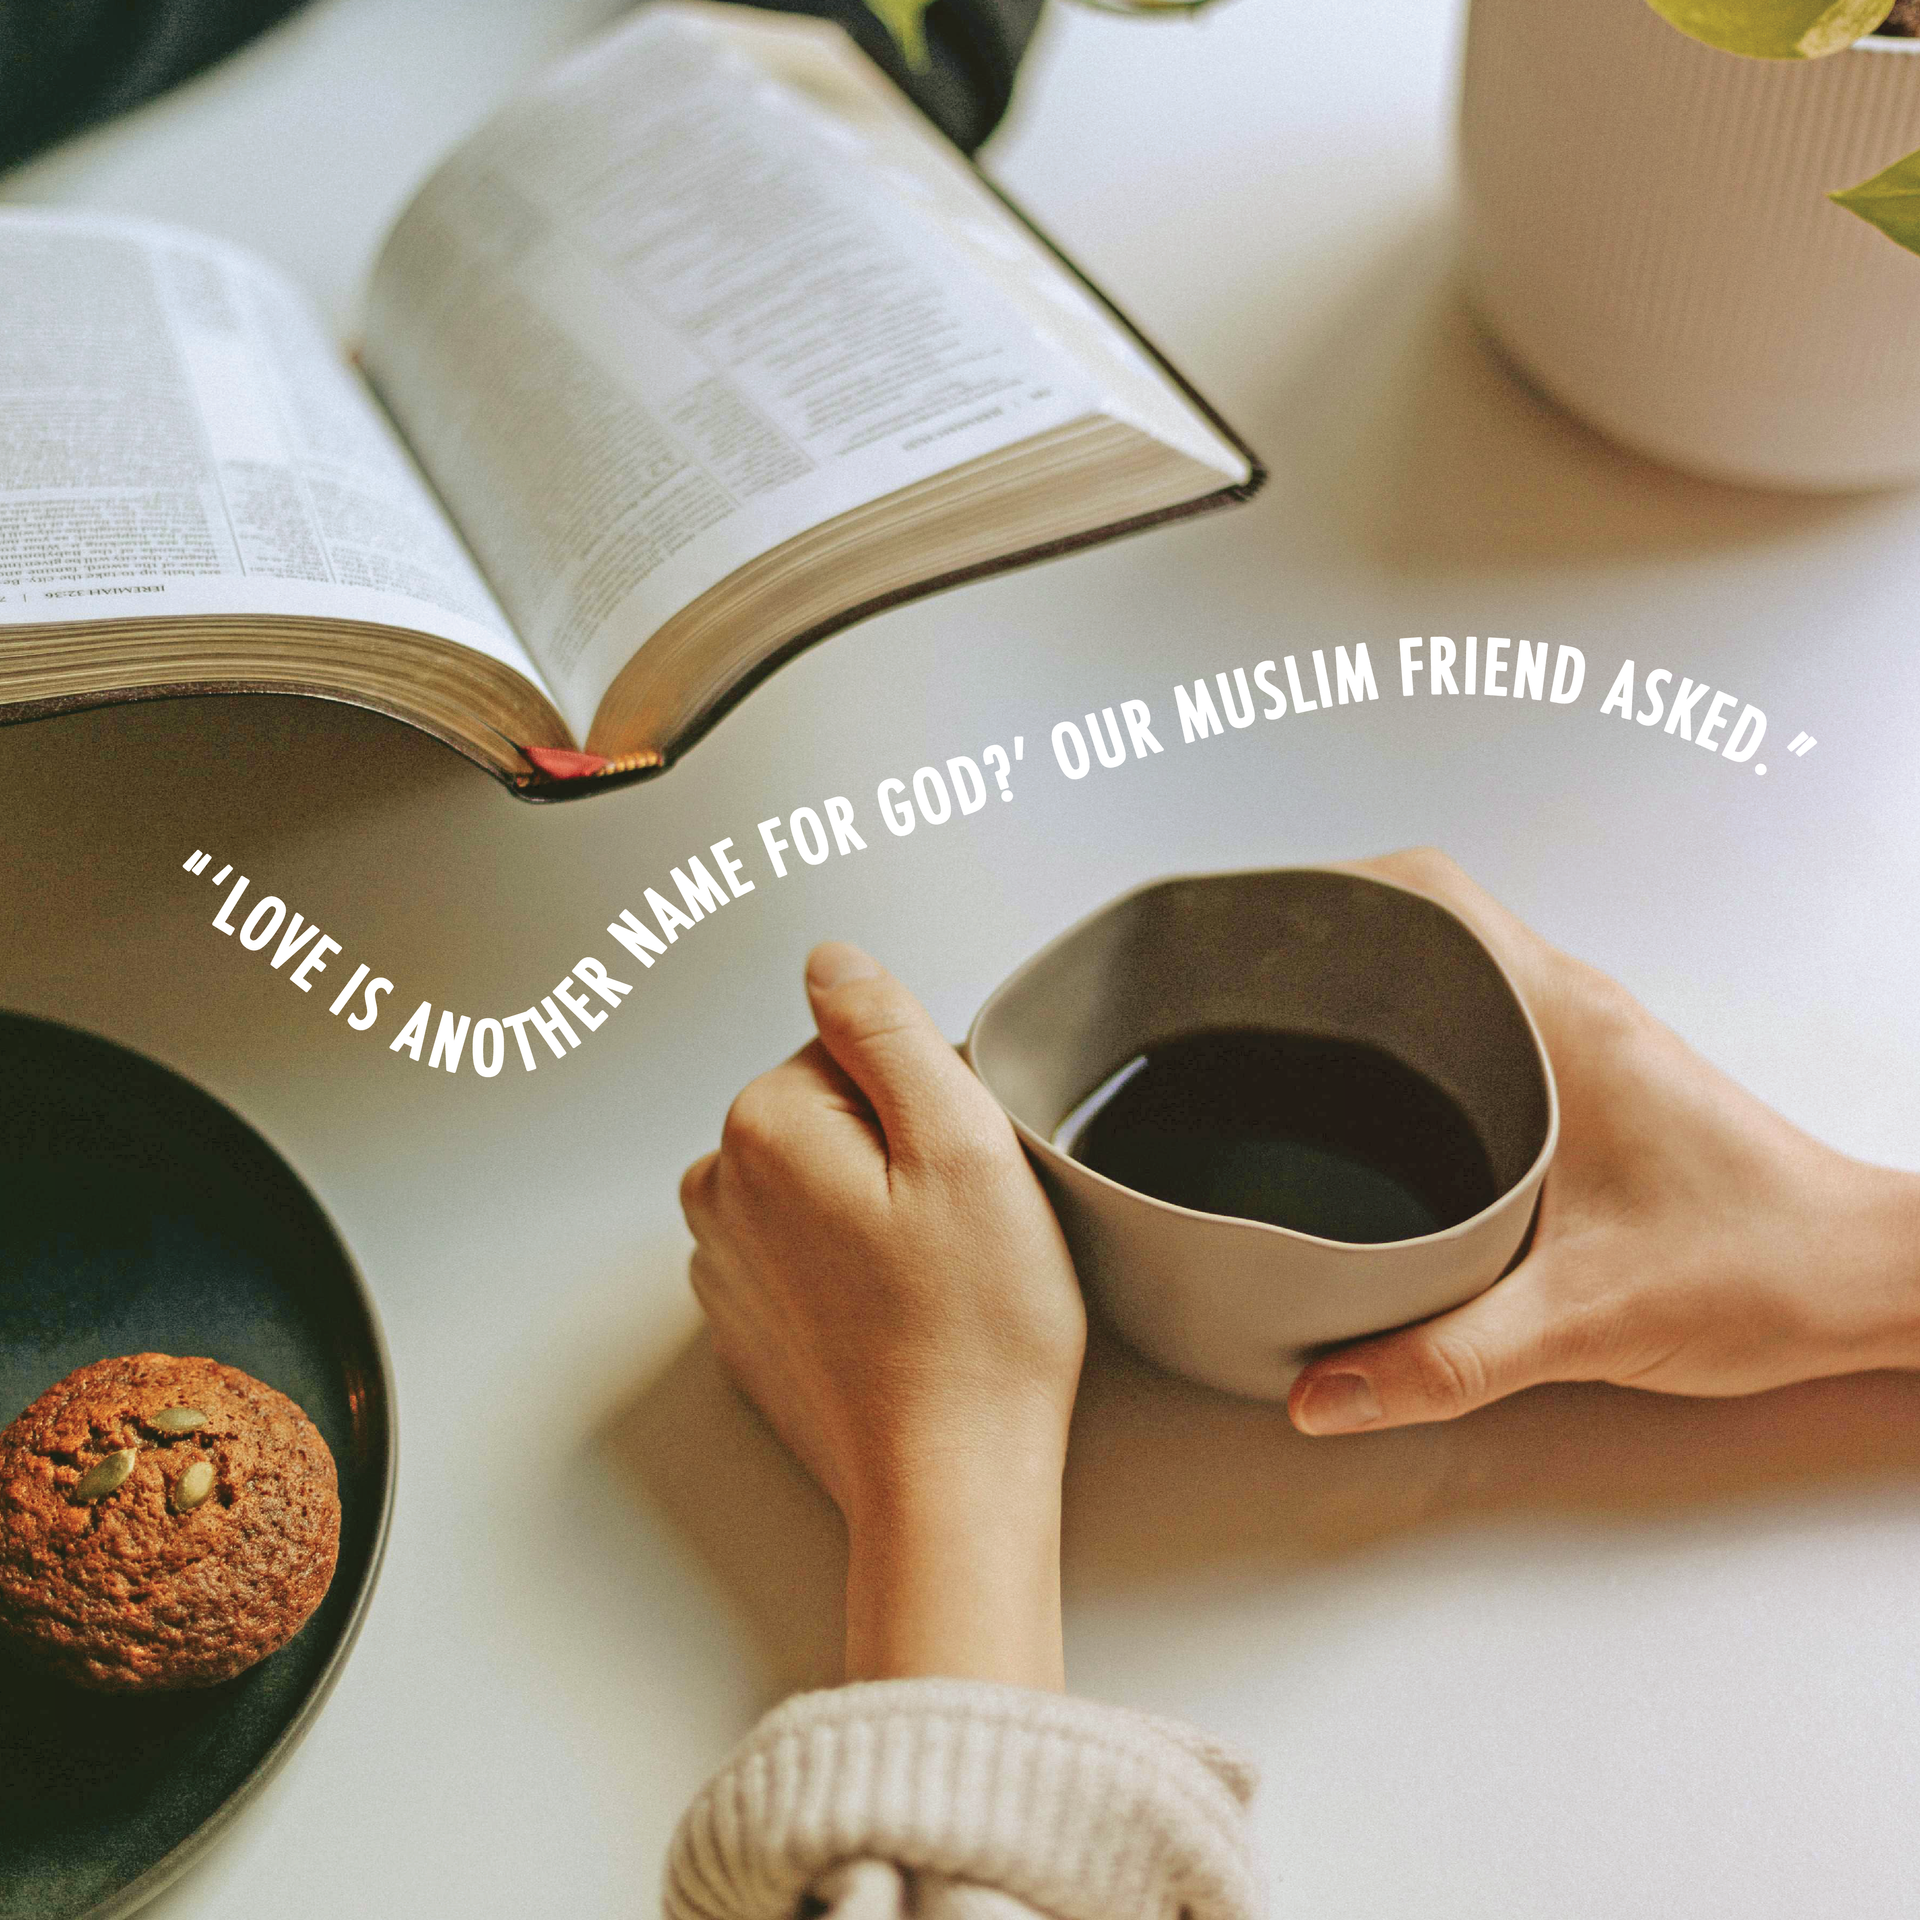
{"type": "Point", "coordinates": [1590, 1654]}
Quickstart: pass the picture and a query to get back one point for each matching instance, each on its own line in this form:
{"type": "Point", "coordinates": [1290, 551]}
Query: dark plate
{"type": "Point", "coordinates": [137, 1214]}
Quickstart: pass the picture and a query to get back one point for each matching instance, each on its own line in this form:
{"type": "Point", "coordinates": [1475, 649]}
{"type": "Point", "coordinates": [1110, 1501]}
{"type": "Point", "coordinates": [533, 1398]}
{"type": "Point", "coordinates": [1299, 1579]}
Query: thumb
{"type": "Point", "coordinates": [1506, 1339]}
{"type": "Point", "coordinates": [886, 1043]}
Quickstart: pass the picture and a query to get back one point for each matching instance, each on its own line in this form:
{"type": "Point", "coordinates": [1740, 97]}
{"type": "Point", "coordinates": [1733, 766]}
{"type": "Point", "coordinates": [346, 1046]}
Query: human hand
{"type": "Point", "coordinates": [1689, 1239]}
{"type": "Point", "coordinates": [885, 1280]}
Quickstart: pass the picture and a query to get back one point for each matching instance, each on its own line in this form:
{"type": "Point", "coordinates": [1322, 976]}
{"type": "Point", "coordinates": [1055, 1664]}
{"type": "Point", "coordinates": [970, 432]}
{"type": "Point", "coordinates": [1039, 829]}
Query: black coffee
{"type": "Point", "coordinates": [1328, 1137]}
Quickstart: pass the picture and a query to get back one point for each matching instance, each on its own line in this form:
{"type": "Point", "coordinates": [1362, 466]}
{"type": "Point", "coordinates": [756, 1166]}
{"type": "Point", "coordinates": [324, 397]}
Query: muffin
{"type": "Point", "coordinates": [163, 1524]}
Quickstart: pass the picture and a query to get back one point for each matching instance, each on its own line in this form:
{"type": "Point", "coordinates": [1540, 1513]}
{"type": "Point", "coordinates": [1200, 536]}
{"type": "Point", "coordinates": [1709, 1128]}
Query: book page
{"type": "Point", "coordinates": [178, 436]}
{"type": "Point", "coordinates": [655, 319]}
{"type": "Point", "coordinates": [909, 158]}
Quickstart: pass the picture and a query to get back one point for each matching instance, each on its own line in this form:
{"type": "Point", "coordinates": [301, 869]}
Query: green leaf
{"type": "Point", "coordinates": [906, 21]}
{"type": "Point", "coordinates": [1774, 29]}
{"type": "Point", "coordinates": [1889, 201]}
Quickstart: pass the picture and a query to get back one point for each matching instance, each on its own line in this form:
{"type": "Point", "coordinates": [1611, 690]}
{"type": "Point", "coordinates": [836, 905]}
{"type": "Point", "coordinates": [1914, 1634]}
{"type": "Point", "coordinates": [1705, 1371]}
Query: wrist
{"type": "Point", "coordinates": [1001, 1457]}
{"type": "Point", "coordinates": [1892, 1244]}
{"type": "Point", "coordinates": [956, 1572]}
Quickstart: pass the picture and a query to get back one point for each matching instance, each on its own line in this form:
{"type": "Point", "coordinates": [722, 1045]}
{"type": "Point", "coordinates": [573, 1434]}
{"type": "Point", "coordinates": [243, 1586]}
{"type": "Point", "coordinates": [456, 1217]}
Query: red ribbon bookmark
{"type": "Point", "coordinates": [562, 763]}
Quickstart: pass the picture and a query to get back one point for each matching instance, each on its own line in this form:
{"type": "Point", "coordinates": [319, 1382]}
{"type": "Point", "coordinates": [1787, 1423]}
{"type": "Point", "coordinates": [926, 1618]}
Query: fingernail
{"type": "Point", "coordinates": [835, 963]}
{"type": "Point", "coordinates": [1337, 1403]}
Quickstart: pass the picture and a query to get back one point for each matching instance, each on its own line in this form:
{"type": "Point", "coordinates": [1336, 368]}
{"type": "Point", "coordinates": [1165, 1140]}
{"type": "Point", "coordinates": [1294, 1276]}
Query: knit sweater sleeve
{"type": "Point", "coordinates": [962, 1800]}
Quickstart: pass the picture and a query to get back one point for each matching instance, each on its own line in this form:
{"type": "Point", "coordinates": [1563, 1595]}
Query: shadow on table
{"type": "Point", "coordinates": [687, 1443]}
{"type": "Point", "coordinates": [1166, 1479]}
{"type": "Point", "coordinates": [313, 799]}
{"type": "Point", "coordinates": [256, 769]}
{"type": "Point", "coordinates": [1403, 423]}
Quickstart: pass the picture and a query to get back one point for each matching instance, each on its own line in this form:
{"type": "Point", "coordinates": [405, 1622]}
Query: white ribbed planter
{"type": "Point", "coordinates": [1648, 233]}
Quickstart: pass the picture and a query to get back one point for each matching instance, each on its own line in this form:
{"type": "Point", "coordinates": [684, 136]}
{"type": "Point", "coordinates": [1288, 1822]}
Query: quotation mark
{"type": "Point", "coordinates": [1799, 746]}
{"type": "Point", "coordinates": [197, 863]}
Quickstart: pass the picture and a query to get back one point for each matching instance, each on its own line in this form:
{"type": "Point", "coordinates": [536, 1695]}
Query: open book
{"type": "Point", "coordinates": [703, 348]}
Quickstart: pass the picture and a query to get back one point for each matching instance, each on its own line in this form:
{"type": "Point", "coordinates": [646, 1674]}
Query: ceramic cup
{"type": "Point", "coordinates": [1237, 1303]}
{"type": "Point", "coordinates": [1647, 231]}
